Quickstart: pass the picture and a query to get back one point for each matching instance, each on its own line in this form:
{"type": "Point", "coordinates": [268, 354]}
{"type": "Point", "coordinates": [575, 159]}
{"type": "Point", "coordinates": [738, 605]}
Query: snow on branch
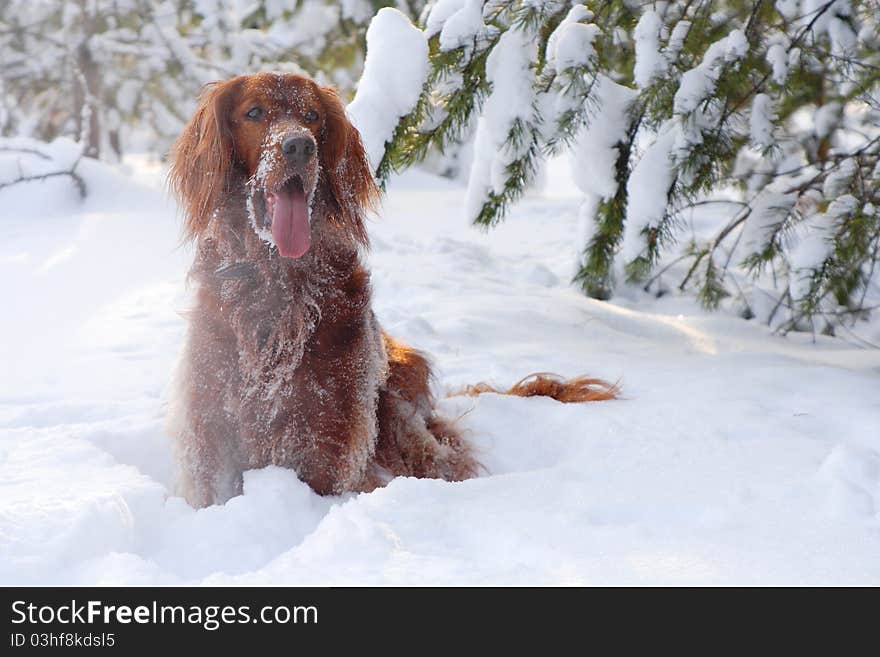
{"type": "Point", "coordinates": [734, 145]}
{"type": "Point", "coordinates": [506, 130]}
{"type": "Point", "coordinates": [395, 71]}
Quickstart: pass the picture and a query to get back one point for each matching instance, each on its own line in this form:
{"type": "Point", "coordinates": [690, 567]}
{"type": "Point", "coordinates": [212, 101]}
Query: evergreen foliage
{"type": "Point", "coordinates": [763, 116]}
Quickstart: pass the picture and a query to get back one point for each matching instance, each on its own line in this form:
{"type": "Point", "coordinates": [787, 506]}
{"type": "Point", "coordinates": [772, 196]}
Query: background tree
{"type": "Point", "coordinates": [122, 74]}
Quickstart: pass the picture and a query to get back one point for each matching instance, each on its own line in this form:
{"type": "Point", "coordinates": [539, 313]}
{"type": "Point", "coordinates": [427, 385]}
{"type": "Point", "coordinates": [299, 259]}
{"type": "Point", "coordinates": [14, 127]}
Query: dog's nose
{"type": "Point", "coordinates": [298, 149]}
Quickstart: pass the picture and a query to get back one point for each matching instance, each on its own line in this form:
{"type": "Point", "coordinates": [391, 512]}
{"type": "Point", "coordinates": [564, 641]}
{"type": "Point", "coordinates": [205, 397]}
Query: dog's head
{"type": "Point", "coordinates": [283, 138]}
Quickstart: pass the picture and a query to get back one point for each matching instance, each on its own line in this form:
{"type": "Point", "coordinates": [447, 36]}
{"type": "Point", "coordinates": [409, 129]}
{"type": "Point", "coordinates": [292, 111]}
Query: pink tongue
{"type": "Point", "coordinates": [290, 223]}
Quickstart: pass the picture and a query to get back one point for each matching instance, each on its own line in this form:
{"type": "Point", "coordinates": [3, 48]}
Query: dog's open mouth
{"type": "Point", "coordinates": [285, 212]}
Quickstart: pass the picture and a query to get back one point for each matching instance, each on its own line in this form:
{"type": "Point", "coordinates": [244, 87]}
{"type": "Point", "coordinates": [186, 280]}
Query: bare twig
{"type": "Point", "coordinates": [70, 171]}
{"type": "Point", "coordinates": [28, 151]}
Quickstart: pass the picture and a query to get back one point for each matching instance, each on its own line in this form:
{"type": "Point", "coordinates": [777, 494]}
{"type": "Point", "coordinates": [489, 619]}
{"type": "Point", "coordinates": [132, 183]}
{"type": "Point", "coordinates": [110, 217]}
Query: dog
{"type": "Point", "coordinates": [285, 363]}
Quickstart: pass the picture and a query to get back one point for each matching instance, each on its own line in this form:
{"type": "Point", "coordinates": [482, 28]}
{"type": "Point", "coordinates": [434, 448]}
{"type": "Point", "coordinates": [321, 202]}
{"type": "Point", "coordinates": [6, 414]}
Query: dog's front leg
{"type": "Point", "coordinates": [334, 427]}
{"type": "Point", "coordinates": [204, 421]}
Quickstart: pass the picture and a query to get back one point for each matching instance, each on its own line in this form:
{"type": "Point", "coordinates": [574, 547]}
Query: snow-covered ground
{"type": "Point", "coordinates": [735, 456]}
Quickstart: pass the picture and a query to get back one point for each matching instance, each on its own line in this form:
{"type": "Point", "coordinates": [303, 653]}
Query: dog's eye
{"type": "Point", "coordinates": [255, 113]}
{"type": "Point", "coordinates": [311, 116]}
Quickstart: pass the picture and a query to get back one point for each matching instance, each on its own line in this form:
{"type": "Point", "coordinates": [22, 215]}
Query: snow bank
{"type": "Point", "coordinates": [394, 73]}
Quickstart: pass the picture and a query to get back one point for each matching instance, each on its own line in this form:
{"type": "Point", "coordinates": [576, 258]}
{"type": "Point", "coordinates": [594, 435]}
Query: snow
{"type": "Point", "coordinates": [813, 244]}
{"type": "Point", "coordinates": [788, 8]}
{"type": "Point", "coordinates": [676, 40]}
{"type": "Point", "coordinates": [359, 11]}
{"type": "Point", "coordinates": [777, 57]}
{"type": "Point", "coordinates": [843, 206]}
{"type": "Point", "coordinates": [698, 83]}
{"type": "Point", "coordinates": [571, 43]}
{"type": "Point", "coordinates": [843, 39]}
{"type": "Point", "coordinates": [769, 210]}
{"type": "Point", "coordinates": [648, 189]}
{"type": "Point", "coordinates": [440, 12]}
{"type": "Point", "coordinates": [831, 18]}
{"type": "Point", "coordinates": [594, 153]}
{"type": "Point", "coordinates": [761, 121]}
{"type": "Point", "coordinates": [24, 157]}
{"type": "Point", "coordinates": [650, 62]}
{"type": "Point", "coordinates": [839, 178]}
{"type": "Point", "coordinates": [571, 54]}
{"type": "Point", "coordinates": [463, 26]}
{"type": "Point", "coordinates": [827, 118]}
{"type": "Point", "coordinates": [734, 456]}
{"type": "Point", "coordinates": [394, 73]}
{"type": "Point", "coordinates": [510, 102]}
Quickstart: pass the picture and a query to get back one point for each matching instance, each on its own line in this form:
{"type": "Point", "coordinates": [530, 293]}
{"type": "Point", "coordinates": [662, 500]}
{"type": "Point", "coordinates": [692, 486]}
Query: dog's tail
{"type": "Point", "coordinates": [545, 384]}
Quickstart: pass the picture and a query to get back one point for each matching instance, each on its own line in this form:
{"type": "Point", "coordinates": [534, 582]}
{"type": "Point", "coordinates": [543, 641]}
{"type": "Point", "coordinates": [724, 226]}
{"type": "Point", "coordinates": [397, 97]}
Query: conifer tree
{"type": "Point", "coordinates": [729, 148]}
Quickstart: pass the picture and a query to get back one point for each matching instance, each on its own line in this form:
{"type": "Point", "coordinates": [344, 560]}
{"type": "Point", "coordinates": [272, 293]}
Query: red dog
{"type": "Point", "coordinates": [285, 362]}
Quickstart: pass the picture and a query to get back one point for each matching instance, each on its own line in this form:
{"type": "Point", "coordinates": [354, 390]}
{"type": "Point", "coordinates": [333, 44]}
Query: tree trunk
{"type": "Point", "coordinates": [87, 95]}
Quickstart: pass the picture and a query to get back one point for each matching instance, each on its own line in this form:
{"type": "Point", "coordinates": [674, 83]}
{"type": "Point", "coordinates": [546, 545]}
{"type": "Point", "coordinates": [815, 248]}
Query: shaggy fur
{"type": "Point", "coordinates": [285, 362]}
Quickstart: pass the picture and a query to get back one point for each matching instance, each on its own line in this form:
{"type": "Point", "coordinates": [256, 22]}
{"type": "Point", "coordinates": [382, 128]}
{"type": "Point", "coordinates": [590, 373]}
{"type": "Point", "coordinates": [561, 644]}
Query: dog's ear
{"type": "Point", "coordinates": [345, 163]}
{"type": "Point", "coordinates": [202, 158]}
